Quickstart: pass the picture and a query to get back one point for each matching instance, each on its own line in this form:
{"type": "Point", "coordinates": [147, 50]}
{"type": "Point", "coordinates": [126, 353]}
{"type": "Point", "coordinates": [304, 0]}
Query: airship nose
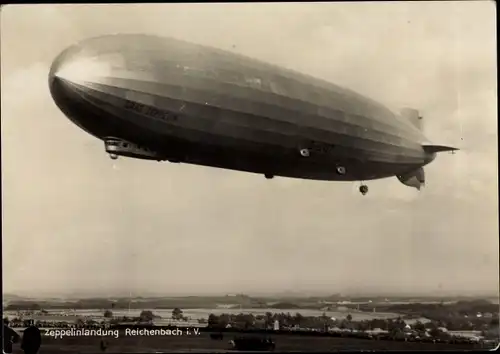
{"type": "Point", "coordinates": [55, 67]}
{"type": "Point", "coordinates": [71, 76]}
{"type": "Point", "coordinates": [70, 80]}
{"type": "Point", "coordinates": [76, 69]}
{"type": "Point", "coordinates": [76, 79]}
{"type": "Point", "coordinates": [59, 87]}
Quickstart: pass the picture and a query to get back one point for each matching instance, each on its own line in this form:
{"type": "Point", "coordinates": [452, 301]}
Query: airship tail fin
{"type": "Point", "coordinates": [413, 116]}
{"type": "Point", "coordinates": [429, 148]}
{"type": "Point", "coordinates": [415, 178]}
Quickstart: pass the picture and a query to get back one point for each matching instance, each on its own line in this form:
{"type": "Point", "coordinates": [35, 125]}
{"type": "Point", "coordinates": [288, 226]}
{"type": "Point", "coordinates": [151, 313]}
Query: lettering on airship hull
{"type": "Point", "coordinates": [149, 111]}
{"type": "Point", "coordinates": [134, 106]}
{"type": "Point", "coordinates": [320, 147]}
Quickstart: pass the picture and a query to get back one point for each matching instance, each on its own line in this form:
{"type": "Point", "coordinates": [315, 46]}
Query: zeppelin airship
{"type": "Point", "coordinates": [163, 99]}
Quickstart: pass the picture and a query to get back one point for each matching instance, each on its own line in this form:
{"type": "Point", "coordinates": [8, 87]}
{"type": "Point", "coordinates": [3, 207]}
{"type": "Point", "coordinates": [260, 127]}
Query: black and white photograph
{"type": "Point", "coordinates": [224, 177]}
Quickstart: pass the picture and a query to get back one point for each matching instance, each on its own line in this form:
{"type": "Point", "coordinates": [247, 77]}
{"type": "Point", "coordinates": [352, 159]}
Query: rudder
{"type": "Point", "coordinates": [413, 116]}
{"type": "Point", "coordinates": [415, 178]}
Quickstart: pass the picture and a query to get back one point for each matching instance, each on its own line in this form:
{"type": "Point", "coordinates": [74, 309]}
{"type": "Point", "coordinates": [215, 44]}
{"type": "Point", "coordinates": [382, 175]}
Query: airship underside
{"type": "Point", "coordinates": [162, 99]}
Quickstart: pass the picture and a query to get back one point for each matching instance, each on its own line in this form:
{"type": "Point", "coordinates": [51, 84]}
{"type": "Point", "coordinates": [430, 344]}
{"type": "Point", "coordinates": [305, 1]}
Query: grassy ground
{"type": "Point", "coordinates": [203, 342]}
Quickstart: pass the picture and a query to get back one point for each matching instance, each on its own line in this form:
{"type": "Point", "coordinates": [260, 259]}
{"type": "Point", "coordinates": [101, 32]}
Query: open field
{"type": "Point", "coordinates": [203, 342]}
{"type": "Point", "coordinates": [195, 314]}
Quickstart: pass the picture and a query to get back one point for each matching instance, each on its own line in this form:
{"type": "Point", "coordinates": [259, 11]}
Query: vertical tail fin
{"type": "Point", "coordinates": [413, 116]}
{"type": "Point", "coordinates": [415, 178]}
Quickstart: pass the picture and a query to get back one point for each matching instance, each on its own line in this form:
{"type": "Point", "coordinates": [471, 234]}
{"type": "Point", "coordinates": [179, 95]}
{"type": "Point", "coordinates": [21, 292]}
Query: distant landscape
{"type": "Point", "coordinates": [236, 301]}
{"type": "Point", "coordinates": [424, 321]}
{"type": "Point", "coordinates": [197, 309]}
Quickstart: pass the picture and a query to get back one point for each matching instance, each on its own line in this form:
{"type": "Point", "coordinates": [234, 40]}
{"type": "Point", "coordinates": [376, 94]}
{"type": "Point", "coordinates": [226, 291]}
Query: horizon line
{"type": "Point", "coordinates": [84, 294]}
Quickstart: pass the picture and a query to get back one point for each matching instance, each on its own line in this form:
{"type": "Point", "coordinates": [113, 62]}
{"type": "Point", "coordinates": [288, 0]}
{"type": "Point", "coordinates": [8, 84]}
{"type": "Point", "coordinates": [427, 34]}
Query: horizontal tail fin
{"type": "Point", "coordinates": [437, 148]}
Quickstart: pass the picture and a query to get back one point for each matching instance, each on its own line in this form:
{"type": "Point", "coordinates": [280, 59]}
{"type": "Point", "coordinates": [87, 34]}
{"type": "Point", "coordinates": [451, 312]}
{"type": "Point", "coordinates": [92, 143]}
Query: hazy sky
{"type": "Point", "coordinates": [75, 220]}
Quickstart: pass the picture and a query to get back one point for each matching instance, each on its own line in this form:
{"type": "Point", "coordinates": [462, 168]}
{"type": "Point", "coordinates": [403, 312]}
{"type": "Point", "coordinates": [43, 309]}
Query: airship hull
{"type": "Point", "coordinates": [200, 105]}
